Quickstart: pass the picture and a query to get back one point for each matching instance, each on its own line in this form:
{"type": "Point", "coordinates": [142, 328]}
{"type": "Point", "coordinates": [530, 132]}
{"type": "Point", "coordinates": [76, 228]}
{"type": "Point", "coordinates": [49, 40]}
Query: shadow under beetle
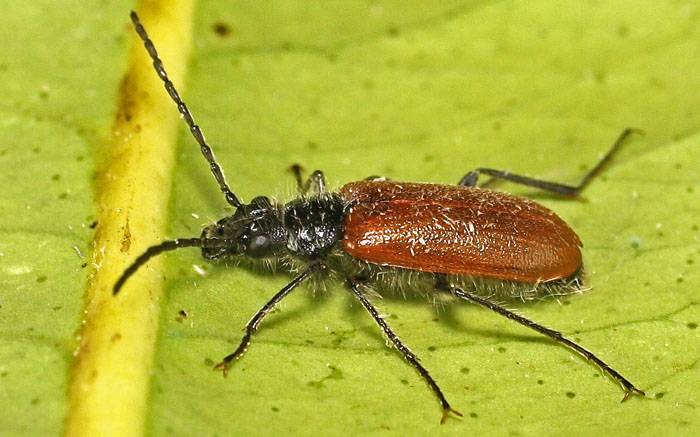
{"type": "Point", "coordinates": [464, 241]}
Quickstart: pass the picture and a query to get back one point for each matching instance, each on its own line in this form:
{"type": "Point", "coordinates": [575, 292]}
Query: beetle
{"type": "Point", "coordinates": [465, 241]}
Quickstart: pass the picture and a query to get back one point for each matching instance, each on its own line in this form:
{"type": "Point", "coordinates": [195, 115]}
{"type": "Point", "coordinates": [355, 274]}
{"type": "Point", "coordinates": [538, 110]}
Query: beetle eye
{"type": "Point", "coordinates": [258, 245]}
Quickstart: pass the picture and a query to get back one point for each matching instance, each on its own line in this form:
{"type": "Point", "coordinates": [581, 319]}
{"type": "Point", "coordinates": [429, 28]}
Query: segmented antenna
{"type": "Point", "coordinates": [150, 253]}
{"type": "Point", "coordinates": [185, 112]}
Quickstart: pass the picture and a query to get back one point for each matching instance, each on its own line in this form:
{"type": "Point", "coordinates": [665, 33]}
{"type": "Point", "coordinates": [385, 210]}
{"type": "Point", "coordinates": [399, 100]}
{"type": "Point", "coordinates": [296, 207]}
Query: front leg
{"type": "Point", "coordinates": [315, 184]}
{"type": "Point", "coordinates": [252, 325]}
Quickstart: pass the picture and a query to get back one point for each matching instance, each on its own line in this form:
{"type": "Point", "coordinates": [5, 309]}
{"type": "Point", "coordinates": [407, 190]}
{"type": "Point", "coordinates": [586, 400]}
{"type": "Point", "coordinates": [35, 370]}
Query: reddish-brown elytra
{"type": "Point", "coordinates": [458, 230]}
{"type": "Point", "coordinates": [463, 241]}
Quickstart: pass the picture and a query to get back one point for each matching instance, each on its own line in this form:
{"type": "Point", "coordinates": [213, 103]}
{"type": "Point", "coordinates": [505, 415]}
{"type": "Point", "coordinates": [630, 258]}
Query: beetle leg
{"type": "Point", "coordinates": [297, 169]}
{"type": "Point", "coordinates": [315, 184]}
{"type": "Point", "coordinates": [253, 323]}
{"type": "Point", "coordinates": [554, 335]}
{"type": "Point", "coordinates": [409, 356]}
{"type": "Point", "coordinates": [470, 178]}
{"type": "Point", "coordinates": [376, 178]}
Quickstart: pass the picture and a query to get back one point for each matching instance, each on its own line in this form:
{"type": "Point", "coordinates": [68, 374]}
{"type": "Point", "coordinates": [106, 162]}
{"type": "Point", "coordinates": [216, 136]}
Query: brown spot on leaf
{"type": "Point", "coordinates": [222, 29]}
{"type": "Point", "coordinates": [126, 240]}
{"type": "Point", "coordinates": [127, 93]}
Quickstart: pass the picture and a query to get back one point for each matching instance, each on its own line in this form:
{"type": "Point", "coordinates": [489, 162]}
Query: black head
{"type": "Point", "coordinates": [254, 230]}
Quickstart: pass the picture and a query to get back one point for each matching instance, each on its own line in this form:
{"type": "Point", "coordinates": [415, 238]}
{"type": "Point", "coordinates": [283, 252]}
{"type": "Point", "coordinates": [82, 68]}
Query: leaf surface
{"type": "Point", "coordinates": [410, 91]}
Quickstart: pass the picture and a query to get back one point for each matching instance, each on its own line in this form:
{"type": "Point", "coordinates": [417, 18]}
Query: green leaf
{"type": "Point", "coordinates": [414, 92]}
{"type": "Point", "coordinates": [58, 81]}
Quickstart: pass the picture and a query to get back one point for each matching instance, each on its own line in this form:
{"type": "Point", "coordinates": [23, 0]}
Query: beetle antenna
{"type": "Point", "coordinates": [150, 253]}
{"type": "Point", "coordinates": [184, 112]}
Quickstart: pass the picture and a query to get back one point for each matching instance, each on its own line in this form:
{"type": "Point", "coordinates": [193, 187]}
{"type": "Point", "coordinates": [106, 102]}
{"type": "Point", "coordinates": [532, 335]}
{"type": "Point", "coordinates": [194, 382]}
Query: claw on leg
{"type": "Point", "coordinates": [446, 412]}
{"type": "Point", "coordinates": [629, 392]}
{"type": "Point", "coordinates": [223, 366]}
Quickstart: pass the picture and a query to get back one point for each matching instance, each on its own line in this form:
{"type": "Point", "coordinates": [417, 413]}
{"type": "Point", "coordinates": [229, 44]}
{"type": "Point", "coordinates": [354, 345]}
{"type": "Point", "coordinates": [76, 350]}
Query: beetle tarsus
{"type": "Point", "coordinates": [240, 350]}
{"type": "Point", "coordinates": [630, 391]}
{"type": "Point", "coordinates": [446, 412]}
{"type": "Point", "coordinates": [223, 366]}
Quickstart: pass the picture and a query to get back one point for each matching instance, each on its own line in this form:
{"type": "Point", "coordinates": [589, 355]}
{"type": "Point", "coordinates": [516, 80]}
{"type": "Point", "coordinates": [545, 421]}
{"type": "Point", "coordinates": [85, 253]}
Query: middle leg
{"type": "Point", "coordinates": [409, 356]}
